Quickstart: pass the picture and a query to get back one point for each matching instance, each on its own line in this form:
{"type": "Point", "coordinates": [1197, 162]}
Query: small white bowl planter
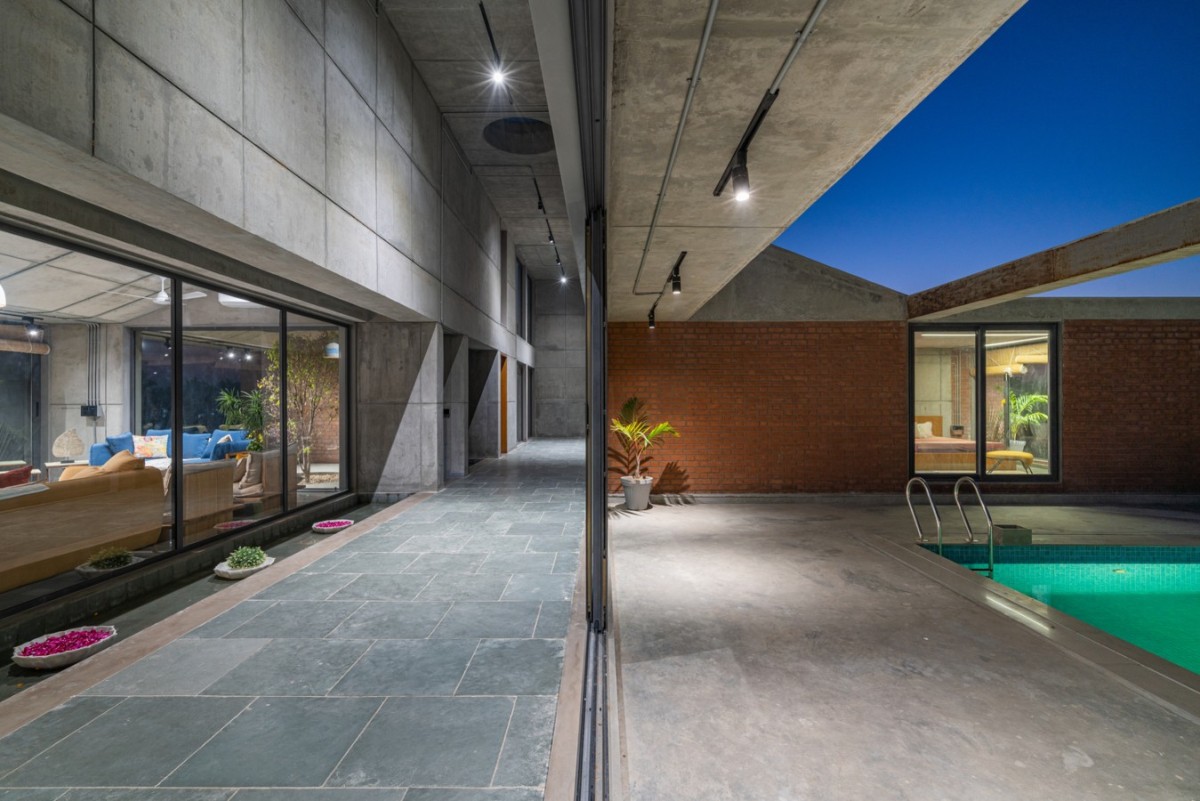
{"type": "Point", "coordinates": [63, 658]}
{"type": "Point", "coordinates": [223, 570]}
{"type": "Point", "coordinates": [87, 571]}
{"type": "Point", "coordinates": [331, 526]}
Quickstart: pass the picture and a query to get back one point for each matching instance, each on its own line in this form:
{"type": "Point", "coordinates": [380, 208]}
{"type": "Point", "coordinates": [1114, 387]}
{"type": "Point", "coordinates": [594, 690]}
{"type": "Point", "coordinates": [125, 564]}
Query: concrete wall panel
{"type": "Point", "coordinates": [559, 382]}
{"type": "Point", "coordinates": [395, 86]}
{"type": "Point", "coordinates": [427, 131]}
{"type": "Point", "coordinates": [84, 7]}
{"type": "Point", "coordinates": [311, 14]}
{"type": "Point", "coordinates": [394, 192]}
{"type": "Point", "coordinates": [55, 98]}
{"type": "Point", "coordinates": [285, 89]}
{"type": "Point", "coordinates": [349, 147]}
{"type": "Point", "coordinates": [283, 209]}
{"type": "Point", "coordinates": [427, 226]}
{"type": "Point", "coordinates": [350, 247]}
{"type": "Point", "coordinates": [196, 46]}
{"type": "Point", "coordinates": [131, 114]}
{"type": "Point", "coordinates": [351, 40]}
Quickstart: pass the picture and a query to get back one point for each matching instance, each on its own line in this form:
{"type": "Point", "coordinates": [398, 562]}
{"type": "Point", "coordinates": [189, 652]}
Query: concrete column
{"type": "Point", "coordinates": [400, 396]}
{"type": "Point", "coordinates": [454, 409]}
{"type": "Point", "coordinates": [514, 440]}
{"type": "Point", "coordinates": [483, 404]}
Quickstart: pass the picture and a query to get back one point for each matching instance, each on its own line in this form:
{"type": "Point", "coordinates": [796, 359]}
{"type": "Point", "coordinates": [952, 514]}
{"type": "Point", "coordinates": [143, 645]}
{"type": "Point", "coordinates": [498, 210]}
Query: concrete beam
{"type": "Point", "coordinates": [1161, 237]}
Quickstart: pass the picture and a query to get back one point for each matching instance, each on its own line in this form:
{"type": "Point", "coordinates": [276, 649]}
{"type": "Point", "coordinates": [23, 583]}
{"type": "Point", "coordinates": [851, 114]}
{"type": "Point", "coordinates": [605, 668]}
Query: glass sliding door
{"type": "Point", "coordinates": [316, 380]}
{"type": "Point", "coordinates": [944, 410]}
{"type": "Point", "coordinates": [983, 401]}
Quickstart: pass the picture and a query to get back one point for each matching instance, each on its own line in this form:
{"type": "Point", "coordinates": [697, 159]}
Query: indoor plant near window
{"type": "Point", "coordinates": [1024, 412]}
{"type": "Point", "coordinates": [637, 436]}
{"type": "Point", "coordinates": [107, 560]}
{"type": "Point", "coordinates": [243, 409]}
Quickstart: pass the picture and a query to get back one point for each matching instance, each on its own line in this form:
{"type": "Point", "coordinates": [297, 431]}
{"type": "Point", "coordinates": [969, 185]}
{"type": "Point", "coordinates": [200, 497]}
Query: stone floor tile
{"type": "Point", "coordinates": [305, 587]}
{"type": "Point", "coordinates": [543, 544]}
{"type": "Point", "coordinates": [226, 622]}
{"type": "Point", "coordinates": [514, 667]}
{"type": "Point", "coordinates": [384, 587]}
{"type": "Point", "coordinates": [518, 563]}
{"type": "Point", "coordinates": [40, 794]}
{"type": "Point", "coordinates": [250, 752]}
{"type": "Point", "coordinates": [566, 562]}
{"type": "Point", "coordinates": [526, 753]}
{"type": "Point", "coordinates": [373, 543]}
{"type": "Point", "coordinates": [323, 794]}
{"type": "Point", "coordinates": [447, 742]}
{"type": "Point", "coordinates": [375, 563]}
{"type": "Point", "coordinates": [488, 619]}
{"type": "Point", "coordinates": [465, 588]}
{"type": "Point", "coordinates": [553, 620]}
{"type": "Point", "coordinates": [496, 543]}
{"type": "Point", "coordinates": [147, 794]}
{"type": "Point", "coordinates": [304, 619]}
{"type": "Point", "coordinates": [434, 543]}
{"type": "Point", "coordinates": [540, 587]}
{"type": "Point", "coordinates": [136, 743]}
{"type": "Point", "coordinates": [408, 667]}
{"type": "Point", "coordinates": [392, 620]}
{"type": "Point", "coordinates": [447, 563]}
{"type": "Point", "coordinates": [38, 735]}
{"type": "Point", "coordinates": [459, 794]}
{"type": "Point", "coordinates": [537, 529]}
{"type": "Point", "coordinates": [183, 667]}
{"type": "Point", "coordinates": [291, 667]}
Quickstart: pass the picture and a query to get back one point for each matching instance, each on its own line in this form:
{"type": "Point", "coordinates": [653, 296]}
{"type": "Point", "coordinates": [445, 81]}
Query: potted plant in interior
{"type": "Point", "coordinates": [1024, 412]}
{"type": "Point", "coordinates": [243, 409]}
{"type": "Point", "coordinates": [637, 436]}
{"type": "Point", "coordinates": [107, 560]}
{"type": "Point", "coordinates": [243, 562]}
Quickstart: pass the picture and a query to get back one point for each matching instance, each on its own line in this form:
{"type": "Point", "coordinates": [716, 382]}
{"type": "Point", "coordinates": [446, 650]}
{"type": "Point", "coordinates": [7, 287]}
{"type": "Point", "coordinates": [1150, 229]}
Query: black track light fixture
{"type": "Point", "coordinates": [32, 329]}
{"type": "Point", "coordinates": [652, 308]}
{"type": "Point", "coordinates": [676, 282]}
{"type": "Point", "coordinates": [498, 74]}
{"type": "Point", "coordinates": [740, 175]}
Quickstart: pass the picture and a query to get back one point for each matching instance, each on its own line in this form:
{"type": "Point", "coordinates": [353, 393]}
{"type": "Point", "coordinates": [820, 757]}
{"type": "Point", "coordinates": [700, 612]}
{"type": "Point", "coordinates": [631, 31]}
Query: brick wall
{"type": "Point", "coordinates": [821, 407]}
{"type": "Point", "coordinates": [1131, 405]}
{"type": "Point", "coordinates": [770, 407]}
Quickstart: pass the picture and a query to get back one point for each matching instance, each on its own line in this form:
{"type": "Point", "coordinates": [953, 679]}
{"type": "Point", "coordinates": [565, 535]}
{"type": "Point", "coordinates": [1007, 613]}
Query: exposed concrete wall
{"type": "Point", "coordinates": [483, 404]}
{"type": "Point", "coordinates": [559, 382]}
{"type": "Point", "coordinates": [455, 402]}
{"type": "Point", "coordinates": [781, 285]}
{"type": "Point", "coordinates": [288, 145]}
{"type": "Point", "coordinates": [399, 408]}
{"type": "Point", "coordinates": [510, 408]}
{"type": "Point", "coordinates": [64, 384]}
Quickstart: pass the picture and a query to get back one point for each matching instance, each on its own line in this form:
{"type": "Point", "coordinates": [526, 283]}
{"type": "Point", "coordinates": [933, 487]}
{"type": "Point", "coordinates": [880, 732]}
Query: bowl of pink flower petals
{"type": "Point", "coordinates": [63, 648]}
{"type": "Point", "coordinates": [330, 526]}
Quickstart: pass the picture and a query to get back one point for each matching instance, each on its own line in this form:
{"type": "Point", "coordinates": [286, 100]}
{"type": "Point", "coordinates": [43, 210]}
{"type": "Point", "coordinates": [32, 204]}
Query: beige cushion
{"type": "Point", "coordinates": [226, 438]}
{"type": "Point", "coordinates": [121, 461]}
{"type": "Point", "coordinates": [239, 470]}
{"type": "Point", "coordinates": [81, 471]}
{"type": "Point", "coordinates": [254, 470]}
{"type": "Point", "coordinates": [248, 490]}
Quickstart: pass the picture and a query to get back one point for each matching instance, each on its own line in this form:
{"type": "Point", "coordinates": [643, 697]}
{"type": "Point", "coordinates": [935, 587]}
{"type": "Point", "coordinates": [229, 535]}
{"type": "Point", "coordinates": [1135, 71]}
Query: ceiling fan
{"type": "Point", "coordinates": [162, 297]}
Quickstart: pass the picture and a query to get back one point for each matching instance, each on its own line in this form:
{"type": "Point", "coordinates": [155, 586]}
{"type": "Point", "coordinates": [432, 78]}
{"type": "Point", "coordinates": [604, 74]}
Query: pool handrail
{"type": "Point", "coordinates": [987, 515]}
{"type": "Point", "coordinates": [937, 518]}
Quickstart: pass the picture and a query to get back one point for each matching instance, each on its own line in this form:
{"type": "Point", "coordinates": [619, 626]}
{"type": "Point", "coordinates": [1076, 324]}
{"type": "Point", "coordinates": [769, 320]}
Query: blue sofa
{"type": "Point", "coordinates": [196, 447]}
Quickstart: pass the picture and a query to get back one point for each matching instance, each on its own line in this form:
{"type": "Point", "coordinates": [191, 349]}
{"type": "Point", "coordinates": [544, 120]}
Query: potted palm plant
{"type": "Point", "coordinates": [637, 436]}
{"type": "Point", "coordinates": [1025, 411]}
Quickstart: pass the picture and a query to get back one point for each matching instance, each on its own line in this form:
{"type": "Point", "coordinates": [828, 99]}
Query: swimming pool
{"type": "Point", "coordinates": [1146, 595]}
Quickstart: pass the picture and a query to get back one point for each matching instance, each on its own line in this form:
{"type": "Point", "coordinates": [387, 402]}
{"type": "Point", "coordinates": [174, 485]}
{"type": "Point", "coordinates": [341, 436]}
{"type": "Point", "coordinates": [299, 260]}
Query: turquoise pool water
{"type": "Point", "coordinates": [1148, 595]}
{"type": "Point", "coordinates": [1155, 606]}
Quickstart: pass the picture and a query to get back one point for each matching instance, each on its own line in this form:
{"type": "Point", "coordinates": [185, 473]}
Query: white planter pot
{"type": "Point", "coordinates": [637, 492]}
{"type": "Point", "coordinates": [63, 658]}
{"type": "Point", "coordinates": [87, 571]}
{"type": "Point", "coordinates": [224, 571]}
{"type": "Point", "coordinates": [1016, 445]}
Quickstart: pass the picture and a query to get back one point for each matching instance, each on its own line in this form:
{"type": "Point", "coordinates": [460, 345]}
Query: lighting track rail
{"type": "Point", "coordinates": [736, 169]}
{"type": "Point", "coordinates": [674, 280]}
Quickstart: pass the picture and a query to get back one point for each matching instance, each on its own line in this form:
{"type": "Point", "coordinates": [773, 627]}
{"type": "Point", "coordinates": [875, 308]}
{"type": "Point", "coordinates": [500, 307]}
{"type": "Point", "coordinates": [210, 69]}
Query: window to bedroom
{"type": "Point", "coordinates": [983, 401]}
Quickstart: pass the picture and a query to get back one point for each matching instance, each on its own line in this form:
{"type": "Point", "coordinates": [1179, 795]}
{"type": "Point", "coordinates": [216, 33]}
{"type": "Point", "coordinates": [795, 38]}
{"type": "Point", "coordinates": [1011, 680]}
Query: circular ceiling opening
{"type": "Point", "coordinates": [521, 135]}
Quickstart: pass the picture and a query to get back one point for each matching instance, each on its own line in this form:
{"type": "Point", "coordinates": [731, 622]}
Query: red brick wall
{"type": "Point", "coordinates": [821, 407]}
{"type": "Point", "coordinates": [770, 407]}
{"type": "Point", "coordinates": [1131, 405]}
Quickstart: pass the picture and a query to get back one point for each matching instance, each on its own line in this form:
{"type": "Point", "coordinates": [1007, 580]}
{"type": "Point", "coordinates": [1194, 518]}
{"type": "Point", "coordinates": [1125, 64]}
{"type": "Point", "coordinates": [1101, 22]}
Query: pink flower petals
{"type": "Point", "coordinates": [324, 524]}
{"type": "Point", "coordinates": [68, 641]}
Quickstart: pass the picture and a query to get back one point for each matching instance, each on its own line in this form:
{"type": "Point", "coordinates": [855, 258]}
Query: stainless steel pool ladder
{"type": "Point", "coordinates": [990, 570]}
{"type": "Point", "coordinates": [936, 517]}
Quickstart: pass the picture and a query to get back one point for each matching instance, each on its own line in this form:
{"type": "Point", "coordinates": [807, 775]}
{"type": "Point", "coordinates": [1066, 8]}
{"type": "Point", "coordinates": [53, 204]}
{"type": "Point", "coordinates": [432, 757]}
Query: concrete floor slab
{"type": "Point", "coordinates": [767, 651]}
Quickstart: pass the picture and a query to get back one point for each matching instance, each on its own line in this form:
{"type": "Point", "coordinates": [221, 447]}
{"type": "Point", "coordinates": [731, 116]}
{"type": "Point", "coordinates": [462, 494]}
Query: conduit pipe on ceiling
{"type": "Point", "coordinates": [693, 82]}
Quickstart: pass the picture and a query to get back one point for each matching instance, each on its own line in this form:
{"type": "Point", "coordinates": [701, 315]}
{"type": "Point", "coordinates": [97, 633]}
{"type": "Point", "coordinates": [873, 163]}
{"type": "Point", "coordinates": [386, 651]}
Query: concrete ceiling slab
{"type": "Point", "coordinates": [47, 288]}
{"type": "Point", "coordinates": [28, 250]}
{"type": "Point", "coordinates": [450, 49]}
{"type": "Point", "coordinates": [865, 66]}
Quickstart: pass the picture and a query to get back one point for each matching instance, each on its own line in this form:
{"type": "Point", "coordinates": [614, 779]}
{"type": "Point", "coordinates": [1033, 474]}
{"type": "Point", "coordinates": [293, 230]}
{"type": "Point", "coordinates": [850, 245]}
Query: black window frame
{"type": "Point", "coordinates": [980, 474]}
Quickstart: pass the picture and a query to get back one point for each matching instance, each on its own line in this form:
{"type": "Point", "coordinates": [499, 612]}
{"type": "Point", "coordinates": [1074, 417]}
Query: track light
{"type": "Point", "coordinates": [550, 238]}
{"type": "Point", "coordinates": [32, 329]}
{"type": "Point", "coordinates": [676, 282]}
{"type": "Point", "coordinates": [563, 279]}
{"type": "Point", "coordinates": [498, 76]}
{"type": "Point", "coordinates": [652, 317]}
{"type": "Point", "coordinates": [741, 177]}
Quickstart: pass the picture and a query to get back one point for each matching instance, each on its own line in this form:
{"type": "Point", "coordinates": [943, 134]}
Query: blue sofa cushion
{"type": "Point", "coordinates": [217, 436]}
{"type": "Point", "coordinates": [99, 453]}
{"type": "Point", "coordinates": [121, 442]}
{"type": "Point", "coordinates": [194, 445]}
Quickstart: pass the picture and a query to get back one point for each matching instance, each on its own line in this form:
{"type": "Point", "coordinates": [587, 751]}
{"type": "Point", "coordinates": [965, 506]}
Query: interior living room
{"type": "Point", "coordinates": [99, 358]}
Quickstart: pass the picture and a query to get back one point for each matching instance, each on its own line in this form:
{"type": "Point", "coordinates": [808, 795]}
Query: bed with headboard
{"type": "Point", "coordinates": [934, 452]}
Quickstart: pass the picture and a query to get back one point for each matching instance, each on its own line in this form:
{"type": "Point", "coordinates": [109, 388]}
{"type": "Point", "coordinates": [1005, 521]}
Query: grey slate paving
{"type": "Point", "coordinates": [514, 667]}
{"type": "Point", "coordinates": [251, 753]}
{"type": "Point", "coordinates": [451, 742]}
{"type": "Point", "coordinates": [419, 662]}
{"type": "Point", "coordinates": [151, 735]}
{"type": "Point", "coordinates": [291, 667]}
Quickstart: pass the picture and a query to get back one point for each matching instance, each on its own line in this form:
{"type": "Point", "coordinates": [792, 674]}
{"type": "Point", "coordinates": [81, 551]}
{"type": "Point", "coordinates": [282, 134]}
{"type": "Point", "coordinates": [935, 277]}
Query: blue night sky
{"type": "Point", "coordinates": [1077, 115]}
